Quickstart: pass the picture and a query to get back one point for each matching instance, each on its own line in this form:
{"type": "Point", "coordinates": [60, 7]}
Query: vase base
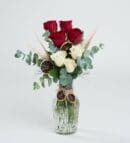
{"type": "Point", "coordinates": [66, 133]}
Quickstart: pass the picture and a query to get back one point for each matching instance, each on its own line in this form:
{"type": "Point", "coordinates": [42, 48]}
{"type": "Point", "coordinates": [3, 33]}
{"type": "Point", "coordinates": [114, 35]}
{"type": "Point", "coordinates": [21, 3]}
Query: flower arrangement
{"type": "Point", "coordinates": [67, 56]}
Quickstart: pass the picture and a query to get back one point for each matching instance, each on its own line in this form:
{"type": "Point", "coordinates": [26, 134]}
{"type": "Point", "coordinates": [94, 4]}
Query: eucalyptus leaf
{"type": "Point", "coordinates": [81, 62]}
{"type": "Point", "coordinates": [90, 66]}
{"type": "Point", "coordinates": [46, 33]}
{"type": "Point", "coordinates": [63, 72]}
{"type": "Point", "coordinates": [18, 54]}
{"type": "Point", "coordinates": [46, 76]}
{"type": "Point", "coordinates": [101, 45]}
{"type": "Point", "coordinates": [42, 81]}
{"type": "Point", "coordinates": [78, 70]}
{"type": "Point", "coordinates": [94, 50]}
{"type": "Point", "coordinates": [88, 62]}
{"type": "Point", "coordinates": [35, 59]}
{"type": "Point", "coordinates": [52, 48]}
{"type": "Point", "coordinates": [36, 86]}
{"type": "Point", "coordinates": [49, 81]}
{"type": "Point", "coordinates": [29, 58]}
{"type": "Point", "coordinates": [86, 53]}
{"type": "Point", "coordinates": [65, 78]}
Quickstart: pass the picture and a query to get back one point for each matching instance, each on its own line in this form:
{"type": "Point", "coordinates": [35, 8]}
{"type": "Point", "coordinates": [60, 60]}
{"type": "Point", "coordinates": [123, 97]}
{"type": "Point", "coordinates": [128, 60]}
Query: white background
{"type": "Point", "coordinates": [26, 115]}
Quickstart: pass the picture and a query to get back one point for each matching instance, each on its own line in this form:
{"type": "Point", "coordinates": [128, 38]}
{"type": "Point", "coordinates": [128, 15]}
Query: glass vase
{"type": "Point", "coordinates": [65, 111]}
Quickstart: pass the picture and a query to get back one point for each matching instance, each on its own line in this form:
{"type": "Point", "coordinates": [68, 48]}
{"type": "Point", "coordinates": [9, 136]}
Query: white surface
{"type": "Point", "coordinates": [25, 115]}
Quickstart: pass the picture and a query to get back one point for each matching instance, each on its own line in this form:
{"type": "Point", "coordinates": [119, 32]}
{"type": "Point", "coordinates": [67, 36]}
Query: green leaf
{"type": "Point", "coordinates": [39, 62]}
{"type": "Point", "coordinates": [49, 81]}
{"type": "Point", "coordinates": [85, 63]}
{"type": "Point", "coordinates": [63, 72]}
{"type": "Point", "coordinates": [77, 71]}
{"type": "Point", "coordinates": [65, 78]}
{"type": "Point", "coordinates": [52, 48]}
{"type": "Point", "coordinates": [35, 59]}
{"type": "Point", "coordinates": [46, 33]}
{"type": "Point", "coordinates": [54, 73]}
{"type": "Point", "coordinates": [18, 54]}
{"type": "Point", "coordinates": [86, 53]}
{"type": "Point", "coordinates": [90, 66]}
{"type": "Point", "coordinates": [101, 45]}
{"type": "Point", "coordinates": [45, 76]}
{"type": "Point", "coordinates": [81, 62]}
{"type": "Point", "coordinates": [42, 81]}
{"type": "Point", "coordinates": [36, 86]}
{"type": "Point", "coordinates": [29, 58]}
{"type": "Point", "coordinates": [94, 50]}
{"type": "Point", "coordinates": [88, 62]}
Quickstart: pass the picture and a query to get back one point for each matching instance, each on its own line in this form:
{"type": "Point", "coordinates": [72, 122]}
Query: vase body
{"type": "Point", "coordinates": [65, 113]}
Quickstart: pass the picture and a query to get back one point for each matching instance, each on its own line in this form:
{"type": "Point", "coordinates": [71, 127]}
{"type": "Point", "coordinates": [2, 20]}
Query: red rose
{"type": "Point", "coordinates": [58, 38]}
{"type": "Point", "coordinates": [75, 35]}
{"type": "Point", "coordinates": [51, 26]}
{"type": "Point", "coordinates": [66, 25]}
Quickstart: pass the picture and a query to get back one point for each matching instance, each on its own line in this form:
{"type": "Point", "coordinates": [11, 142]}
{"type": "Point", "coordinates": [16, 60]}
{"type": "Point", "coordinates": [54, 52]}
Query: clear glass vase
{"type": "Point", "coordinates": [65, 111]}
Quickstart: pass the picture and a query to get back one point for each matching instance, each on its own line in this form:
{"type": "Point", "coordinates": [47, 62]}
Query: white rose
{"type": "Point", "coordinates": [59, 58]}
{"type": "Point", "coordinates": [70, 65]}
{"type": "Point", "coordinates": [76, 51]}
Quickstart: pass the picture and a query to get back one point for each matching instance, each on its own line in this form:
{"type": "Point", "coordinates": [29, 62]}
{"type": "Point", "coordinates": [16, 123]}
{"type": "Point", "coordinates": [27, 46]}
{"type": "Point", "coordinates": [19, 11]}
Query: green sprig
{"type": "Point", "coordinates": [30, 58]}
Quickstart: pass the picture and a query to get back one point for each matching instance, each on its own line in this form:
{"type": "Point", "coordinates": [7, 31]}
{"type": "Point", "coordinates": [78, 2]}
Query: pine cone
{"type": "Point", "coordinates": [46, 66]}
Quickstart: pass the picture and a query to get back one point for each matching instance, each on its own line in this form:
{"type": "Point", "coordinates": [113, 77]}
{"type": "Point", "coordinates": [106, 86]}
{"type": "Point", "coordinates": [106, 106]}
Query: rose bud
{"type": "Point", "coordinates": [66, 25]}
{"type": "Point", "coordinates": [60, 95]}
{"type": "Point", "coordinates": [46, 66]}
{"type": "Point", "coordinates": [75, 35]}
{"type": "Point", "coordinates": [51, 26]}
{"type": "Point", "coordinates": [71, 98]}
{"type": "Point", "coordinates": [66, 46]}
{"type": "Point", "coordinates": [58, 38]}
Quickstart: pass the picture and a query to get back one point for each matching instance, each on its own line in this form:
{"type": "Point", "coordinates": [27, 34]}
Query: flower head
{"type": "Point", "coordinates": [70, 65]}
{"type": "Point", "coordinates": [76, 51]}
{"type": "Point", "coordinates": [75, 35]}
{"type": "Point", "coordinates": [51, 26]}
{"type": "Point", "coordinates": [59, 58]}
{"type": "Point", "coordinates": [66, 25]}
{"type": "Point", "coordinates": [58, 38]}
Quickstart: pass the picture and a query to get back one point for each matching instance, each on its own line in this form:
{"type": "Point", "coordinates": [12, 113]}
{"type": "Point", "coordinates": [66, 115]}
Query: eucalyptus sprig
{"type": "Point", "coordinates": [30, 58]}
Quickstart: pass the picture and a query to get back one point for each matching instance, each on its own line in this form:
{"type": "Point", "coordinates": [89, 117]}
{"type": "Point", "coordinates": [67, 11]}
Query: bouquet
{"type": "Point", "coordinates": [67, 56]}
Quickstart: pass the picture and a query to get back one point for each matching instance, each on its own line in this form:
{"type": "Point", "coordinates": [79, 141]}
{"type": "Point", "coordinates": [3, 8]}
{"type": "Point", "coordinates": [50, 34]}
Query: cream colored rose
{"type": "Point", "coordinates": [59, 58]}
{"type": "Point", "coordinates": [76, 51]}
{"type": "Point", "coordinates": [70, 65]}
